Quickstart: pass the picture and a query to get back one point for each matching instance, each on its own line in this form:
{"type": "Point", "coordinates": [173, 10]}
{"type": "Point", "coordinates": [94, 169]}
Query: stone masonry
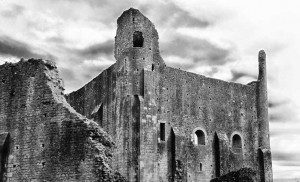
{"type": "Point", "coordinates": [139, 120]}
{"type": "Point", "coordinates": [42, 138]}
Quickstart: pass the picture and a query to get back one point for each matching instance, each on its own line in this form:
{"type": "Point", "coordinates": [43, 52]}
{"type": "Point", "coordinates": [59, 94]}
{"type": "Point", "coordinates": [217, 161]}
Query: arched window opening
{"type": "Point", "coordinates": [236, 142]}
{"type": "Point", "coordinates": [138, 39]}
{"type": "Point", "coordinates": [200, 137]}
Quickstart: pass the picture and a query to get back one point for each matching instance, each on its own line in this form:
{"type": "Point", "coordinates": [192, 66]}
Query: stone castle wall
{"type": "Point", "coordinates": [146, 121]}
{"type": "Point", "coordinates": [178, 102]}
{"type": "Point", "coordinates": [47, 139]}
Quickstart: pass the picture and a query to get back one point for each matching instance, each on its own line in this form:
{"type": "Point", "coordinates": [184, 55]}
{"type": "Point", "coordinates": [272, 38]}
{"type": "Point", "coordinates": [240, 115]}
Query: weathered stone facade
{"type": "Point", "coordinates": [170, 124]}
{"type": "Point", "coordinates": [165, 124]}
{"type": "Point", "coordinates": [42, 138]}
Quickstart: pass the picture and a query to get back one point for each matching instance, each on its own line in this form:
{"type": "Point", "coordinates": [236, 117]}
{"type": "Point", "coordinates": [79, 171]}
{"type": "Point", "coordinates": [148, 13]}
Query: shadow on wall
{"type": "Point", "coordinates": [4, 151]}
{"type": "Point", "coordinates": [244, 175]}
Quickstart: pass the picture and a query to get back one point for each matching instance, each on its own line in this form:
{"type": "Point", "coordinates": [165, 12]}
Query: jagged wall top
{"type": "Point", "coordinates": [133, 25]}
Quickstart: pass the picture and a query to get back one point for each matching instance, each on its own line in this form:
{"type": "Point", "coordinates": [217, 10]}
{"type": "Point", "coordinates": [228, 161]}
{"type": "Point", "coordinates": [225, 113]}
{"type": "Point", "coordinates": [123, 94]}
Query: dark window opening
{"type": "Point", "coordinates": [200, 167]}
{"type": "Point", "coordinates": [4, 152]}
{"type": "Point", "coordinates": [162, 131]}
{"type": "Point", "coordinates": [236, 142]}
{"type": "Point", "coordinates": [216, 155]}
{"type": "Point", "coordinates": [100, 115]}
{"type": "Point", "coordinates": [261, 165]}
{"type": "Point", "coordinates": [138, 39]}
{"type": "Point", "coordinates": [173, 158]}
{"type": "Point", "coordinates": [200, 137]}
{"type": "Point", "coordinates": [153, 67]}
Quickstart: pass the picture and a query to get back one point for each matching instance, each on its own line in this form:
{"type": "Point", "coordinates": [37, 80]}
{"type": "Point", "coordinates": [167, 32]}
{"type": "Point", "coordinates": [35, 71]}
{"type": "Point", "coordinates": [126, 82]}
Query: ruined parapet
{"type": "Point", "coordinates": [48, 140]}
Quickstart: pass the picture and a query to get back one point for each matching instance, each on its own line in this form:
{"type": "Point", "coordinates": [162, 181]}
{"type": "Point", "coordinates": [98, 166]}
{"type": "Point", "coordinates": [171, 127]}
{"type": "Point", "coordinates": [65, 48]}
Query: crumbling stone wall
{"type": "Point", "coordinates": [48, 140]}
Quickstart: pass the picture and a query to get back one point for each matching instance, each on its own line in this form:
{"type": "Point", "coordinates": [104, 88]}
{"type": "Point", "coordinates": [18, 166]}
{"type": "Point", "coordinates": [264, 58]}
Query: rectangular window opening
{"type": "Point", "coordinates": [162, 131]}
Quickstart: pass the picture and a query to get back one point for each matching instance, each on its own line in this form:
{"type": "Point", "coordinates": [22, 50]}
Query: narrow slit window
{"type": "Point", "coordinates": [200, 167]}
{"type": "Point", "coordinates": [100, 115]}
{"type": "Point", "coordinates": [162, 131]}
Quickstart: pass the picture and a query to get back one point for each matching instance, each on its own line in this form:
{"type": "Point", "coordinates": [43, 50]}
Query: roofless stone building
{"type": "Point", "coordinates": [139, 120]}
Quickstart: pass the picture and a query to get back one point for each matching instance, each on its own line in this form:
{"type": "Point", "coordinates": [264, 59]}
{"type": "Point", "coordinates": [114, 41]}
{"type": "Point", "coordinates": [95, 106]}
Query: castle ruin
{"type": "Point", "coordinates": [139, 120]}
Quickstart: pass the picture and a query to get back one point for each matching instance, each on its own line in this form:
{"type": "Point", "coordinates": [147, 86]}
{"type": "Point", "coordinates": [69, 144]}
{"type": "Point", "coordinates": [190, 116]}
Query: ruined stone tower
{"type": "Point", "coordinates": [160, 123]}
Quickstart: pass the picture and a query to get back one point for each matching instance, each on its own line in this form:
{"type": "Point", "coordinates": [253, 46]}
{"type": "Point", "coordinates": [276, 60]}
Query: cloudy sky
{"type": "Point", "coordinates": [214, 38]}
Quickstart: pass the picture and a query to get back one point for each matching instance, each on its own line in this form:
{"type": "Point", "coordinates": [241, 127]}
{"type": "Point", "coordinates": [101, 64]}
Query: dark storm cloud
{"type": "Point", "coordinates": [238, 74]}
{"type": "Point", "coordinates": [165, 14]}
{"type": "Point", "coordinates": [281, 109]}
{"type": "Point", "coordinates": [276, 117]}
{"type": "Point", "coordinates": [67, 73]}
{"type": "Point", "coordinates": [11, 47]}
{"type": "Point", "coordinates": [81, 73]}
{"type": "Point", "coordinates": [277, 103]}
{"type": "Point", "coordinates": [106, 11]}
{"type": "Point", "coordinates": [56, 40]}
{"type": "Point", "coordinates": [213, 71]}
{"type": "Point", "coordinates": [13, 11]}
{"type": "Point", "coordinates": [286, 158]}
{"type": "Point", "coordinates": [94, 3]}
{"type": "Point", "coordinates": [201, 51]}
{"type": "Point", "coordinates": [280, 116]}
{"type": "Point", "coordinates": [284, 131]}
{"type": "Point", "coordinates": [170, 14]}
{"type": "Point", "coordinates": [91, 2]}
{"type": "Point", "coordinates": [93, 71]}
{"type": "Point", "coordinates": [106, 48]}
